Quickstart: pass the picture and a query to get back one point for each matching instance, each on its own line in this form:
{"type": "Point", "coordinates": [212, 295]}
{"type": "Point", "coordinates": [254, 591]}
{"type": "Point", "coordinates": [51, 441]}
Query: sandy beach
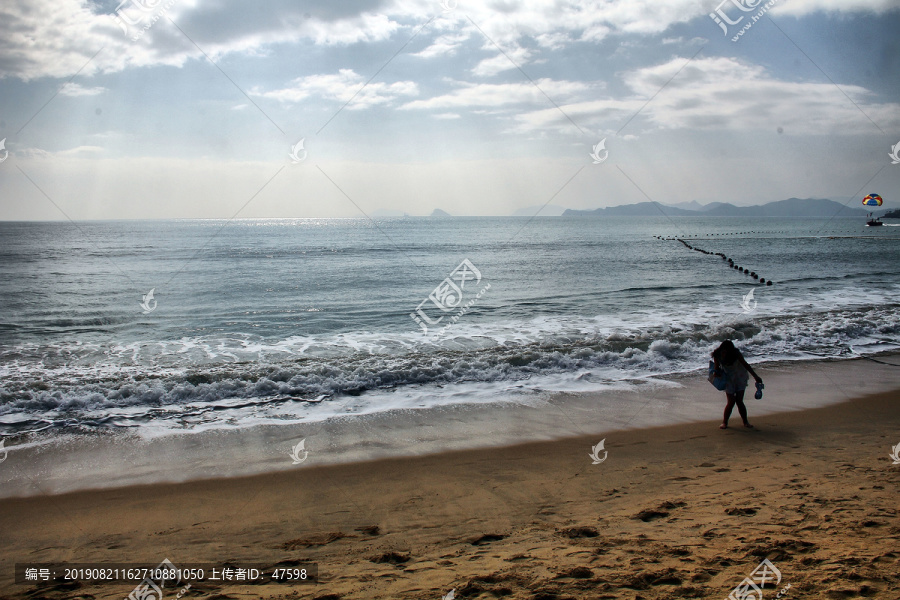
{"type": "Point", "coordinates": [678, 511]}
{"type": "Point", "coordinates": [414, 300]}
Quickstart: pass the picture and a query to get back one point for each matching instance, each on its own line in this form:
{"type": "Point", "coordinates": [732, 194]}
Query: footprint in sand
{"type": "Point", "coordinates": [579, 532]}
{"type": "Point", "coordinates": [748, 511]}
{"type": "Point", "coordinates": [488, 537]}
{"type": "Point", "coordinates": [648, 515]}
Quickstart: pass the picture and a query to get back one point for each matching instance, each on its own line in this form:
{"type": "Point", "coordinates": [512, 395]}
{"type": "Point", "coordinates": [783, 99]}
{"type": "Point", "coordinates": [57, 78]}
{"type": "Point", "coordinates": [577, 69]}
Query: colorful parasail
{"type": "Point", "coordinates": [872, 200]}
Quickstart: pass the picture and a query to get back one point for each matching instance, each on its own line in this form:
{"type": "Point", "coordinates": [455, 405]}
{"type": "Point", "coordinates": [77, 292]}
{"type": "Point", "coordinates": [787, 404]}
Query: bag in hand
{"type": "Point", "coordinates": [717, 377]}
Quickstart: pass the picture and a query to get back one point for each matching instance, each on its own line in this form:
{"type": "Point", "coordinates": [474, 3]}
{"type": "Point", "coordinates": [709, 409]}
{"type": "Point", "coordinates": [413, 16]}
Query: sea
{"type": "Point", "coordinates": [183, 326]}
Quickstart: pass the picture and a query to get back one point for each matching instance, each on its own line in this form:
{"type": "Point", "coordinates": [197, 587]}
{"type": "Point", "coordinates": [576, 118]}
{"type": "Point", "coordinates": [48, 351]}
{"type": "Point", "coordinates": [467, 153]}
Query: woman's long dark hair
{"type": "Point", "coordinates": [726, 353]}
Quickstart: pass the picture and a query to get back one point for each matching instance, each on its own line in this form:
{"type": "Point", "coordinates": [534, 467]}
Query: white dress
{"type": "Point", "coordinates": [737, 377]}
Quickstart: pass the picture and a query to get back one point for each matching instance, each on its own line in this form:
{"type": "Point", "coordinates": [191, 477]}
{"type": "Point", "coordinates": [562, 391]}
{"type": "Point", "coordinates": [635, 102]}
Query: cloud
{"type": "Point", "coordinates": [697, 41]}
{"type": "Point", "coordinates": [81, 151]}
{"type": "Point", "coordinates": [723, 94]}
{"type": "Point", "coordinates": [716, 93]}
{"type": "Point", "coordinates": [75, 90]}
{"type": "Point", "coordinates": [445, 45]}
{"type": "Point", "coordinates": [510, 59]}
{"type": "Point", "coordinates": [553, 41]}
{"type": "Point", "coordinates": [805, 7]}
{"type": "Point", "coordinates": [56, 38]}
{"type": "Point", "coordinates": [342, 86]}
{"type": "Point", "coordinates": [501, 94]}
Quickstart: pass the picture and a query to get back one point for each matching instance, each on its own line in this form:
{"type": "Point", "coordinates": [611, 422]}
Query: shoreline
{"type": "Point", "coordinates": [683, 510]}
{"type": "Point", "coordinates": [125, 459]}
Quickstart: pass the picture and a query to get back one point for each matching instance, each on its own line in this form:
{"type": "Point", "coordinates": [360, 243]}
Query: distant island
{"type": "Point", "coordinates": [792, 207]}
{"type": "Point", "coordinates": [439, 213]}
{"type": "Point", "coordinates": [892, 214]}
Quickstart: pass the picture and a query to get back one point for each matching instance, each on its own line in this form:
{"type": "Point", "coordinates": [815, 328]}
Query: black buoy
{"type": "Point", "coordinates": [769, 282]}
{"type": "Point", "coordinates": [762, 279]}
{"type": "Point", "coordinates": [754, 275]}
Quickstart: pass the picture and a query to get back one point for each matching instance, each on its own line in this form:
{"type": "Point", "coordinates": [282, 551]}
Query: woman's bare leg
{"type": "Point", "coordinates": [742, 409]}
{"type": "Point", "coordinates": [728, 408]}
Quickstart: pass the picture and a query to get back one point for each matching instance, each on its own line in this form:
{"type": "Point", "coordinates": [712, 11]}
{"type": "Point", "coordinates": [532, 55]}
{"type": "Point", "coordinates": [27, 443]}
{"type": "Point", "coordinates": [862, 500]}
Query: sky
{"type": "Point", "coordinates": [155, 109]}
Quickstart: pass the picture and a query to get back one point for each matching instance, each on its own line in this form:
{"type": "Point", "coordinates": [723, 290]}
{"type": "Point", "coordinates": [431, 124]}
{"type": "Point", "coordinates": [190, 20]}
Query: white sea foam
{"type": "Point", "coordinates": [149, 385]}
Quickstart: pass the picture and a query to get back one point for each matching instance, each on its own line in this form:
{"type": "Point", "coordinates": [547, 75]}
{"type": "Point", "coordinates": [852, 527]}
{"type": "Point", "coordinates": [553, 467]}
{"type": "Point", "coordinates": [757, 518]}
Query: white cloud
{"type": "Point", "coordinates": [81, 151]}
{"type": "Point", "coordinates": [501, 94]}
{"type": "Point", "coordinates": [56, 38]}
{"type": "Point", "coordinates": [73, 89]}
{"type": "Point", "coordinates": [724, 94]}
{"type": "Point", "coordinates": [553, 41]}
{"type": "Point", "coordinates": [445, 45]}
{"type": "Point", "coordinates": [697, 41]}
{"type": "Point", "coordinates": [510, 59]}
{"type": "Point", "coordinates": [342, 86]}
{"type": "Point", "coordinates": [364, 28]}
{"type": "Point", "coordinates": [805, 7]}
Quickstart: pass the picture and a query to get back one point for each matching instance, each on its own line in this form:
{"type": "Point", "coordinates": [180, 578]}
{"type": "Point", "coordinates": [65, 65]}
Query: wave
{"type": "Point", "coordinates": [215, 381]}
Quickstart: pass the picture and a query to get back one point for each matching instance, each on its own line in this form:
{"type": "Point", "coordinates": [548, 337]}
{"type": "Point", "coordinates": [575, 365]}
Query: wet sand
{"type": "Point", "coordinates": [57, 464]}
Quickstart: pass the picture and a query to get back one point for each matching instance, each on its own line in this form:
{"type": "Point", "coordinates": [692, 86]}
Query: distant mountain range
{"type": "Point", "coordinates": [792, 207]}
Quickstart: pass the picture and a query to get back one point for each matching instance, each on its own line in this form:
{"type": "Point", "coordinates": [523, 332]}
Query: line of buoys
{"type": "Point", "coordinates": [745, 271]}
{"type": "Point", "coordinates": [724, 233]}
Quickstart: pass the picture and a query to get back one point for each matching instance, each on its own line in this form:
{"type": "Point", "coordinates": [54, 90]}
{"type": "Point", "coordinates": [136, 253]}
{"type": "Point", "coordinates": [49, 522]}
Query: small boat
{"type": "Point", "coordinates": [873, 221]}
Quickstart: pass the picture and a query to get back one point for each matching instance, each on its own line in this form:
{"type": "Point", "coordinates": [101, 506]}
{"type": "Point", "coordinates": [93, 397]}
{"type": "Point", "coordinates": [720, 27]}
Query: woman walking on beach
{"type": "Point", "coordinates": [737, 371]}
